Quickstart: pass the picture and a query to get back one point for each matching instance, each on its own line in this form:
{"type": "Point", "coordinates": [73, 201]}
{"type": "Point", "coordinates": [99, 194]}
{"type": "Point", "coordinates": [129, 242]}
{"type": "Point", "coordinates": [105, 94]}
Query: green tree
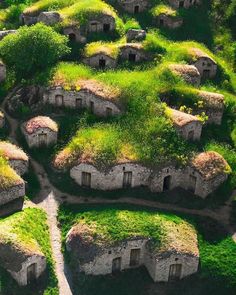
{"type": "Point", "coordinates": [33, 49]}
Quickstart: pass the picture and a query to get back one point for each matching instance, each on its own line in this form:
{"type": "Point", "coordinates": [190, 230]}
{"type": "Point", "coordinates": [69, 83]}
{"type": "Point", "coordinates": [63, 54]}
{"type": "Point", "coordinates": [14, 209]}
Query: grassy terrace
{"type": "Point", "coordinates": [28, 230]}
{"type": "Point", "coordinates": [217, 249]}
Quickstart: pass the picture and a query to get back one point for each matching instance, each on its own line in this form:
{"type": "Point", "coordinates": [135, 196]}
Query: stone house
{"type": "Point", "coordinates": [74, 34]}
{"type": "Point", "coordinates": [206, 65]}
{"type": "Point", "coordinates": [2, 119]}
{"type": "Point", "coordinates": [97, 97]}
{"type": "Point", "coordinates": [206, 172]}
{"type": "Point", "coordinates": [134, 6]}
{"type": "Point", "coordinates": [123, 175]}
{"type": "Point", "coordinates": [135, 35]}
{"type": "Point", "coordinates": [168, 21]}
{"type": "Point", "coordinates": [24, 265]}
{"type": "Point", "coordinates": [213, 105]}
{"type": "Point", "coordinates": [6, 32]}
{"type": "Point", "coordinates": [16, 157]}
{"type": "Point", "coordinates": [176, 261]}
{"type": "Point", "coordinates": [12, 186]}
{"type": "Point", "coordinates": [187, 126]}
{"type": "Point", "coordinates": [101, 60]}
{"type": "Point", "coordinates": [159, 179]}
{"type": "Point", "coordinates": [40, 131]}
{"type": "Point", "coordinates": [133, 52]}
{"type": "Point", "coordinates": [184, 3]}
{"type": "Point", "coordinates": [3, 71]}
{"type": "Point", "coordinates": [103, 22]}
{"type": "Point", "coordinates": [188, 73]}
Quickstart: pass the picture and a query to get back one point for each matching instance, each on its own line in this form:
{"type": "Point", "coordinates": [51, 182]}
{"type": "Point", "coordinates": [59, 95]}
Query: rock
{"type": "Point", "coordinates": [135, 35]}
{"type": "Point", "coordinates": [49, 18]}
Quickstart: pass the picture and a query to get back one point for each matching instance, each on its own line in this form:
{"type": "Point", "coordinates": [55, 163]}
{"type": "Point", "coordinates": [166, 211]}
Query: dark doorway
{"type": "Point", "coordinates": [91, 107]}
{"type": "Point", "coordinates": [134, 257]}
{"type": "Point", "coordinates": [132, 57]}
{"type": "Point", "coordinates": [102, 63]}
{"type": "Point", "coordinates": [78, 103]}
{"type": "Point", "coordinates": [31, 273]}
{"type": "Point", "coordinates": [136, 9]}
{"type": "Point", "coordinates": [175, 272]}
{"type": "Point", "coordinates": [161, 22]}
{"type": "Point", "coordinates": [42, 139]}
{"type": "Point", "coordinates": [86, 179]}
{"type": "Point", "coordinates": [181, 4]}
{"type": "Point", "coordinates": [116, 265]}
{"type": "Point", "coordinates": [191, 135]}
{"type": "Point", "coordinates": [166, 183]}
{"type": "Point", "coordinates": [94, 27]}
{"type": "Point", "coordinates": [206, 74]}
{"type": "Point", "coordinates": [108, 112]}
{"type": "Point", "coordinates": [192, 183]}
{"type": "Point", "coordinates": [59, 99]}
{"type": "Point", "coordinates": [72, 37]}
{"type": "Point", "coordinates": [127, 179]}
{"type": "Point", "coordinates": [106, 28]}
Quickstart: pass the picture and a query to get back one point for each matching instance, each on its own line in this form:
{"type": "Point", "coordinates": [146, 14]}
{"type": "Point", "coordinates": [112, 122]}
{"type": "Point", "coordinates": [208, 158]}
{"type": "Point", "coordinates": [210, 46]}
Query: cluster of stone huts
{"type": "Point", "coordinates": [92, 255]}
{"type": "Point", "coordinates": [203, 175]}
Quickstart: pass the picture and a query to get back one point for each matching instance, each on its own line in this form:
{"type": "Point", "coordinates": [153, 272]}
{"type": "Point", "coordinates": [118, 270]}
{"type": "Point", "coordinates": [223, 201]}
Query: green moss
{"type": "Point", "coordinates": [164, 9]}
{"type": "Point", "coordinates": [110, 49]}
{"type": "Point", "coordinates": [8, 176]}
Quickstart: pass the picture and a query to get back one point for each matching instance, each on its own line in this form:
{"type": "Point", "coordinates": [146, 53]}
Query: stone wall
{"type": "Point", "coordinates": [126, 51]}
{"type": "Point", "coordinates": [134, 6]}
{"type": "Point", "coordinates": [85, 98]}
{"type": "Point", "coordinates": [6, 32]}
{"type": "Point", "coordinates": [20, 166]}
{"type": "Point", "coordinates": [21, 276]}
{"type": "Point", "coordinates": [168, 21]}
{"type": "Point", "coordinates": [189, 265]}
{"type": "Point", "coordinates": [3, 72]}
{"type": "Point", "coordinates": [12, 193]}
{"type": "Point", "coordinates": [206, 64]}
{"type": "Point", "coordinates": [74, 34]}
{"type": "Point", "coordinates": [34, 139]}
{"type": "Point", "coordinates": [113, 178]}
{"type": "Point", "coordinates": [214, 116]}
{"type": "Point", "coordinates": [94, 61]}
{"type": "Point", "coordinates": [102, 264]}
{"type": "Point", "coordinates": [190, 131]}
{"type": "Point", "coordinates": [158, 180]}
{"type": "Point", "coordinates": [49, 18]}
{"type": "Point", "coordinates": [184, 3]}
{"type": "Point", "coordinates": [102, 23]}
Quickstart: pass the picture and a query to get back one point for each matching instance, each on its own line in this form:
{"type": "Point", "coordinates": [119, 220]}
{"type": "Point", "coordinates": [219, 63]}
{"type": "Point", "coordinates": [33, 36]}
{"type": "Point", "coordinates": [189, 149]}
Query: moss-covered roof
{"type": "Point", "coordinates": [105, 228]}
{"type": "Point", "coordinates": [164, 9]}
{"type": "Point", "coordinates": [196, 53]}
{"type": "Point", "coordinates": [40, 122]}
{"type": "Point", "coordinates": [210, 164]}
{"type": "Point", "coordinates": [8, 176]}
{"type": "Point", "coordinates": [12, 152]}
{"type": "Point", "coordinates": [94, 48]}
{"type": "Point", "coordinates": [18, 238]}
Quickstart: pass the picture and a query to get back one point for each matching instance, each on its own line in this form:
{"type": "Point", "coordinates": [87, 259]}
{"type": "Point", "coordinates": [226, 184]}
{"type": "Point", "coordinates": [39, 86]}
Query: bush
{"type": "Point", "coordinates": [32, 50]}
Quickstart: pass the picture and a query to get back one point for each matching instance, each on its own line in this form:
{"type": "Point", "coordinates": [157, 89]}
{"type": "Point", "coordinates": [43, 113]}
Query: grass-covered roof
{"type": "Point", "coordinates": [109, 226]}
{"type": "Point", "coordinates": [8, 176]}
{"type": "Point", "coordinates": [164, 9]}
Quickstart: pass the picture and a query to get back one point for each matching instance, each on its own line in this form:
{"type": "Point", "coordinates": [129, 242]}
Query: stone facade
{"type": "Point", "coordinates": [101, 61]}
{"type": "Point", "coordinates": [119, 176]}
{"type": "Point", "coordinates": [135, 35]}
{"type": "Point", "coordinates": [6, 32]}
{"type": "Point", "coordinates": [159, 179]}
{"type": "Point", "coordinates": [74, 34]}
{"type": "Point", "coordinates": [12, 193]}
{"type": "Point", "coordinates": [100, 106]}
{"type": "Point", "coordinates": [3, 72]}
{"type": "Point", "coordinates": [134, 6]}
{"type": "Point", "coordinates": [49, 18]}
{"type": "Point", "coordinates": [102, 23]}
{"type": "Point", "coordinates": [133, 52]}
{"type": "Point", "coordinates": [206, 67]}
{"type": "Point", "coordinates": [20, 166]}
{"type": "Point", "coordinates": [28, 20]}
{"type": "Point", "coordinates": [184, 3]}
{"type": "Point", "coordinates": [158, 266]}
{"type": "Point", "coordinates": [171, 22]}
{"type": "Point", "coordinates": [21, 276]}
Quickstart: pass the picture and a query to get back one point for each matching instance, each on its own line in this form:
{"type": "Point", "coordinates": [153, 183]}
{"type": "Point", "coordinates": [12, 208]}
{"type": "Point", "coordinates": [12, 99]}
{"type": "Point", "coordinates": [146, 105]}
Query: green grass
{"type": "Point", "coordinates": [217, 254]}
{"type": "Point", "coordinates": [28, 229]}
